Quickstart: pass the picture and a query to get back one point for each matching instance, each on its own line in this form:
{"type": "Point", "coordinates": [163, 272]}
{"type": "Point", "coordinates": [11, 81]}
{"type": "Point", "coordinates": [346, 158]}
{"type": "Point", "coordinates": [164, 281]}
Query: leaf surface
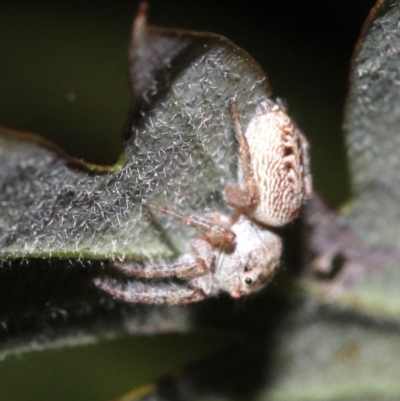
{"type": "Point", "coordinates": [62, 220]}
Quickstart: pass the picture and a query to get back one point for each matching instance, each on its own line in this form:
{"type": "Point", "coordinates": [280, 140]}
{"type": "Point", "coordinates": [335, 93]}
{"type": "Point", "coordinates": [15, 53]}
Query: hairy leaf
{"type": "Point", "coordinates": [302, 339]}
{"type": "Point", "coordinates": [181, 153]}
{"type": "Point", "coordinates": [62, 220]}
{"type": "Point", "coordinates": [372, 121]}
{"type": "Point", "coordinates": [339, 340]}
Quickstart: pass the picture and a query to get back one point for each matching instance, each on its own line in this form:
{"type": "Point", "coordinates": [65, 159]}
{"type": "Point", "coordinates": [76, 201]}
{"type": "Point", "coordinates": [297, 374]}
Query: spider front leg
{"type": "Point", "coordinates": [216, 228]}
{"type": "Point", "coordinates": [236, 196]}
{"type": "Point", "coordinates": [150, 293]}
{"type": "Point", "coordinates": [196, 266]}
{"type": "Point", "coordinates": [157, 270]}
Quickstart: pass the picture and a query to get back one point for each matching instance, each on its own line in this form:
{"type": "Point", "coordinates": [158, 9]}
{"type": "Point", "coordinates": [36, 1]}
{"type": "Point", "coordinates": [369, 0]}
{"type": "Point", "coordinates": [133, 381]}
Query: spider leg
{"type": "Point", "coordinates": [150, 293]}
{"type": "Point", "coordinates": [158, 270]}
{"type": "Point", "coordinates": [215, 229]}
{"type": "Point", "coordinates": [236, 196]}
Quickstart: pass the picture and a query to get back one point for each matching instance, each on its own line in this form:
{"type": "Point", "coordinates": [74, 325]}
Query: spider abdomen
{"type": "Point", "coordinates": [279, 165]}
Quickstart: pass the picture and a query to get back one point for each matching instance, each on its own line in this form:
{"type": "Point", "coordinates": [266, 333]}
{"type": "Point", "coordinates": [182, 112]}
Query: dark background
{"type": "Point", "coordinates": [63, 74]}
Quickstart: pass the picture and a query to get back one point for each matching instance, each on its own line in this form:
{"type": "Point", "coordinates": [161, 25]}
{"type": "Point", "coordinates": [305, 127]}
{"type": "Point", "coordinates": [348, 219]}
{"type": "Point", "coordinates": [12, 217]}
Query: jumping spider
{"type": "Point", "coordinates": [236, 254]}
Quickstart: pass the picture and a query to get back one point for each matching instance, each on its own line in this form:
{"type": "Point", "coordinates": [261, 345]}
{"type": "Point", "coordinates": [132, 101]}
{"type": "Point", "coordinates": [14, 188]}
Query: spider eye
{"type": "Point", "coordinates": [248, 281]}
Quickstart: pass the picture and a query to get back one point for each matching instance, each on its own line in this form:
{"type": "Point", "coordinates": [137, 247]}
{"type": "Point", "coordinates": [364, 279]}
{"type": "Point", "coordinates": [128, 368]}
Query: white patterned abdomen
{"type": "Point", "coordinates": [280, 162]}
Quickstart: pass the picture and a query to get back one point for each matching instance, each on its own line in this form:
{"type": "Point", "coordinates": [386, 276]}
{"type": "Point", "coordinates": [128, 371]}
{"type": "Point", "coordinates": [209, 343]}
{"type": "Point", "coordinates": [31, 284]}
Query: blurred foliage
{"type": "Point", "coordinates": [100, 371]}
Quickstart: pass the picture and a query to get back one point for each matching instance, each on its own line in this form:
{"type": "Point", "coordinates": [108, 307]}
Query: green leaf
{"type": "Point", "coordinates": [372, 126]}
{"type": "Point", "coordinates": [302, 338]}
{"type": "Point", "coordinates": [181, 153]}
{"type": "Point", "coordinates": [372, 122]}
{"type": "Point", "coordinates": [62, 220]}
{"type": "Point", "coordinates": [332, 338]}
